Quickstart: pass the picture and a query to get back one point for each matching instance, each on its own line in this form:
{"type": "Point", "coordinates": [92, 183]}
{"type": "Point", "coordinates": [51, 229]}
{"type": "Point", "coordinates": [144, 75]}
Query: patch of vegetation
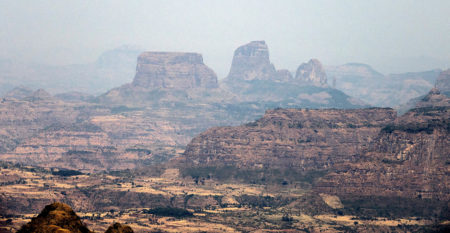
{"type": "Point", "coordinates": [122, 108]}
{"type": "Point", "coordinates": [390, 161]}
{"type": "Point", "coordinates": [263, 201]}
{"type": "Point", "coordinates": [79, 127]}
{"type": "Point", "coordinates": [395, 207]}
{"type": "Point", "coordinates": [281, 176]}
{"type": "Point", "coordinates": [414, 128]}
{"type": "Point", "coordinates": [66, 172]}
{"type": "Point", "coordinates": [139, 150]}
{"type": "Point", "coordinates": [79, 152]}
{"type": "Point", "coordinates": [429, 109]}
{"type": "Point", "coordinates": [169, 212]}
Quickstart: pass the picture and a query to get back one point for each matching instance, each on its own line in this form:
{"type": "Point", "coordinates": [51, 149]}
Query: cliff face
{"type": "Point", "coordinates": [295, 138]}
{"type": "Point", "coordinates": [409, 158]}
{"type": "Point", "coordinates": [366, 152]}
{"type": "Point", "coordinates": [173, 71]}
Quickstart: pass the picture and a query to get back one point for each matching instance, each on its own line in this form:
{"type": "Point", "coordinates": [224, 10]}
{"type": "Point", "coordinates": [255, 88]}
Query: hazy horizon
{"type": "Point", "coordinates": [392, 37]}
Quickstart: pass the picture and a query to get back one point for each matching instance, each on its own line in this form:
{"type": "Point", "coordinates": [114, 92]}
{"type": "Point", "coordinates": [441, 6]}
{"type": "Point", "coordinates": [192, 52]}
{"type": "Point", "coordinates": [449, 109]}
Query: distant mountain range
{"type": "Point", "coordinates": [112, 68]}
{"type": "Point", "coordinates": [363, 82]}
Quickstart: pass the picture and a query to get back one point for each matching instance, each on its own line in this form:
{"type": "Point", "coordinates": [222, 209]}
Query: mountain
{"type": "Point", "coordinates": [365, 83]}
{"type": "Point", "coordinates": [253, 78]}
{"type": "Point", "coordinates": [19, 92]}
{"type": "Point", "coordinates": [113, 68]}
{"type": "Point", "coordinates": [59, 218]}
{"type": "Point", "coordinates": [162, 75]}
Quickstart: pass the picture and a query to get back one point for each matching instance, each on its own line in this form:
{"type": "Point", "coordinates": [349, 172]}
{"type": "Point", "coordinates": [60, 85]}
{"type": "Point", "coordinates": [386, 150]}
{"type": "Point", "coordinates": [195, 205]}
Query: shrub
{"type": "Point", "coordinates": [169, 212]}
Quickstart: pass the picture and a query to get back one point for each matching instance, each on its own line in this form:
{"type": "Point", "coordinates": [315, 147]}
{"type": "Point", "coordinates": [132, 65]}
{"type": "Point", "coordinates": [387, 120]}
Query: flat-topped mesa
{"type": "Point", "coordinates": [312, 73]}
{"type": "Point", "coordinates": [173, 70]}
{"type": "Point", "coordinates": [251, 61]}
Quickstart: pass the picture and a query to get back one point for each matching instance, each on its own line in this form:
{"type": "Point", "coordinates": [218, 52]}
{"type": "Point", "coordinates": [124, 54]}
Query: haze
{"type": "Point", "coordinates": [391, 36]}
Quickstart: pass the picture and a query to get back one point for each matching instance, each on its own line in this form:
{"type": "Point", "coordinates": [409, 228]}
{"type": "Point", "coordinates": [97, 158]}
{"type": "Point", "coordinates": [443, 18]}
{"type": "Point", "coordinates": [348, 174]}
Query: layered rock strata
{"type": "Point", "coordinates": [297, 138]}
{"type": "Point", "coordinates": [409, 158]}
{"type": "Point", "coordinates": [173, 71]}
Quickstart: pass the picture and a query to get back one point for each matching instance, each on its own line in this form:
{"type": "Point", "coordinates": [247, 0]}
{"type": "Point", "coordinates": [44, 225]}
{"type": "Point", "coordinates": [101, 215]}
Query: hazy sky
{"type": "Point", "coordinates": [391, 35]}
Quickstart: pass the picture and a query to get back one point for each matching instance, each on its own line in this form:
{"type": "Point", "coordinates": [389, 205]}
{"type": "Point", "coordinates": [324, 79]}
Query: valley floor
{"type": "Point", "coordinates": [102, 199]}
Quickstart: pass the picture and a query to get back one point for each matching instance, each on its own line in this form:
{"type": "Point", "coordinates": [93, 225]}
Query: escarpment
{"type": "Point", "coordinates": [409, 159]}
{"type": "Point", "coordinates": [297, 138]}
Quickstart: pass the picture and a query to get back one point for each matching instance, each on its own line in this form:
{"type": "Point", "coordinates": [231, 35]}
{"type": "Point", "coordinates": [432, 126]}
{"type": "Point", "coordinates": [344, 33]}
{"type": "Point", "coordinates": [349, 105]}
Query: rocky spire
{"type": "Point", "coordinates": [312, 73]}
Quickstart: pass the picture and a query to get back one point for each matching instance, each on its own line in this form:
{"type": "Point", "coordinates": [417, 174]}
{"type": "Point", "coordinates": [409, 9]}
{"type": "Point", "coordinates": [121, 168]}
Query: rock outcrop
{"type": "Point", "coordinates": [251, 62]}
{"type": "Point", "coordinates": [173, 71]}
{"type": "Point", "coordinates": [295, 138]}
{"type": "Point", "coordinates": [60, 218]}
{"type": "Point", "coordinates": [57, 218]}
{"type": "Point", "coordinates": [311, 73]}
{"type": "Point", "coordinates": [119, 228]}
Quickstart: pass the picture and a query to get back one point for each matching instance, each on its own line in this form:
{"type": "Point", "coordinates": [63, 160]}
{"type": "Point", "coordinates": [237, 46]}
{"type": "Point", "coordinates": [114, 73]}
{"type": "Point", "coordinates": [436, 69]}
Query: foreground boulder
{"type": "Point", "coordinates": [60, 218]}
{"type": "Point", "coordinates": [119, 228]}
{"type": "Point", "coordinates": [57, 217]}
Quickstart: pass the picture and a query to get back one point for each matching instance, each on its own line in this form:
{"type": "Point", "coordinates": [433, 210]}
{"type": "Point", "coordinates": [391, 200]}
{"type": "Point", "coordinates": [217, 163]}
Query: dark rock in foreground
{"type": "Point", "coordinates": [119, 228]}
{"type": "Point", "coordinates": [57, 217]}
{"type": "Point", "coordinates": [60, 218]}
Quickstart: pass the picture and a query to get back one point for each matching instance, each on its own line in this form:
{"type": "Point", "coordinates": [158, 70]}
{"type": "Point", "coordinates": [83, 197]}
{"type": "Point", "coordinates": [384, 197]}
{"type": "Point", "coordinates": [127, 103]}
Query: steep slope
{"type": "Point", "coordinates": [409, 158]}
